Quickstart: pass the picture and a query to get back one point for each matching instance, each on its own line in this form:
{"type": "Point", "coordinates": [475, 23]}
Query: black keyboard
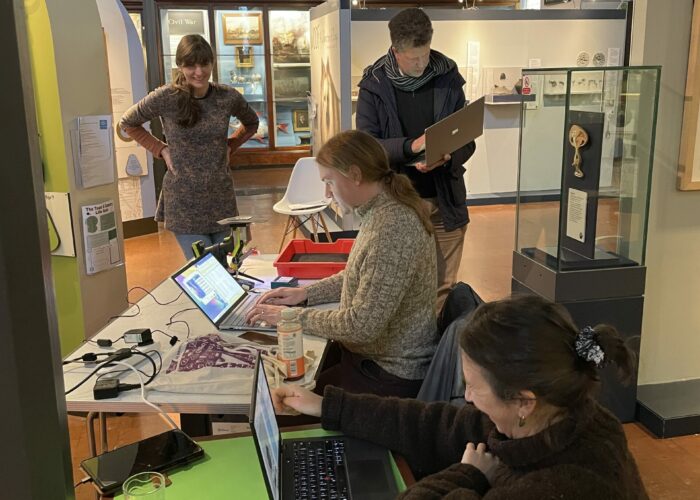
{"type": "Point", "coordinates": [319, 470]}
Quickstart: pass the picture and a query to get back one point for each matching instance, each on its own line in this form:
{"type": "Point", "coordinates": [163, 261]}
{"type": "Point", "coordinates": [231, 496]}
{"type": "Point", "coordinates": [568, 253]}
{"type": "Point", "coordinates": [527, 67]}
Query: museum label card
{"type": "Point", "coordinates": [576, 215]}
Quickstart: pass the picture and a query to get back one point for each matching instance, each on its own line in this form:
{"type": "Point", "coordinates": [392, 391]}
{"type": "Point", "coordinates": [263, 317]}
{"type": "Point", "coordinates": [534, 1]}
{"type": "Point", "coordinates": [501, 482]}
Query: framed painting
{"type": "Point", "coordinates": [289, 36]}
{"type": "Point", "coordinates": [242, 28]}
{"type": "Point", "coordinates": [291, 86]}
{"type": "Point", "coordinates": [689, 157]}
{"type": "Point", "coordinates": [244, 57]}
{"type": "Point", "coordinates": [300, 120]}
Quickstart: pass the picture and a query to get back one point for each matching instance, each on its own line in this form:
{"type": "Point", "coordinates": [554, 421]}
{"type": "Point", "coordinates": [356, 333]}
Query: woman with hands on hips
{"type": "Point", "coordinates": [195, 113]}
{"type": "Point", "coordinates": [385, 323]}
{"type": "Point", "coordinates": [532, 430]}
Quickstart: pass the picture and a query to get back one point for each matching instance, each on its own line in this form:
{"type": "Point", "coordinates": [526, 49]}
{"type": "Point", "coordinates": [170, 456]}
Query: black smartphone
{"type": "Point", "coordinates": [259, 338]}
{"type": "Point", "coordinates": [158, 453]}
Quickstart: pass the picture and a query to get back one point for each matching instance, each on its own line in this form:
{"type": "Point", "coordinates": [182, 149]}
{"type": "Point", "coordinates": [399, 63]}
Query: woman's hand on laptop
{"type": "Point", "coordinates": [285, 296]}
{"type": "Point", "coordinates": [269, 314]}
{"type": "Point", "coordinates": [291, 399]}
{"type": "Point", "coordinates": [422, 167]}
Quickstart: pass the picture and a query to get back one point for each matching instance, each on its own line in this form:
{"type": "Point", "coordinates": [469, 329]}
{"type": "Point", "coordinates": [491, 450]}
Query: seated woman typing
{"type": "Point", "coordinates": [533, 431]}
{"type": "Point", "coordinates": [385, 322]}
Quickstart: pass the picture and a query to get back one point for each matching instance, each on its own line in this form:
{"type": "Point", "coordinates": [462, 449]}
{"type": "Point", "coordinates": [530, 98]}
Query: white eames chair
{"type": "Point", "coordinates": [305, 200]}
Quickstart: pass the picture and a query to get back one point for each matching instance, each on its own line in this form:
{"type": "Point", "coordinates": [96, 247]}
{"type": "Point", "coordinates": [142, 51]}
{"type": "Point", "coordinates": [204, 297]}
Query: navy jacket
{"type": "Point", "coordinates": [378, 116]}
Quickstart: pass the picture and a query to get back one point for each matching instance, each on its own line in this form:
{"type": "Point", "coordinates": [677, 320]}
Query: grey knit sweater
{"type": "Point", "coordinates": [202, 191]}
{"type": "Point", "coordinates": [386, 292]}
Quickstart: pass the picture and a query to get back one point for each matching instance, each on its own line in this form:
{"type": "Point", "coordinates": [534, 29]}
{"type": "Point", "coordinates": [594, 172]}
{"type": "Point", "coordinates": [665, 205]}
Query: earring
{"type": "Point", "coordinates": [521, 421]}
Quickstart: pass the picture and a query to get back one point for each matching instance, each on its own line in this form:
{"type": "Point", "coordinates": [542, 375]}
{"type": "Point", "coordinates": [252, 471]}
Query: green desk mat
{"type": "Point", "coordinates": [231, 469]}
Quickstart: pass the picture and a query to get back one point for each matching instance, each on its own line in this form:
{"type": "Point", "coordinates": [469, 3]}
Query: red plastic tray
{"type": "Point", "coordinates": [311, 270]}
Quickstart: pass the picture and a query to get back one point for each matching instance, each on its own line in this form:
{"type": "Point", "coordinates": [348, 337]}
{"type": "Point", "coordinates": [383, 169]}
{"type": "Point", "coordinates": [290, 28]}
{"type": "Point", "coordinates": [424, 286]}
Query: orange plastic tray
{"type": "Point", "coordinates": [311, 270]}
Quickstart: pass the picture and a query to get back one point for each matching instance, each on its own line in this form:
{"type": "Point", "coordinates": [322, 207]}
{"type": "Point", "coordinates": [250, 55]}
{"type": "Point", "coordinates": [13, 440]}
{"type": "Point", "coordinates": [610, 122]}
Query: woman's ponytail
{"type": "Point", "coordinates": [615, 351]}
{"type": "Point", "coordinates": [401, 189]}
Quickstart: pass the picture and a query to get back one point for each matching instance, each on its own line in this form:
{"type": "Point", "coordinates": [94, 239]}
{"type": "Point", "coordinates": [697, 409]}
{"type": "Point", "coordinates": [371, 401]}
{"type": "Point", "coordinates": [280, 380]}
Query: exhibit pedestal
{"type": "Point", "coordinates": [670, 409]}
{"type": "Point", "coordinates": [614, 296]}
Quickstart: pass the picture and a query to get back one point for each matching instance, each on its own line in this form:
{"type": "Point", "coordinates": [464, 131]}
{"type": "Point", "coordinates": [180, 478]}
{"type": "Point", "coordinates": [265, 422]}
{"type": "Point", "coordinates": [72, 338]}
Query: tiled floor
{"type": "Point", "coordinates": [670, 468]}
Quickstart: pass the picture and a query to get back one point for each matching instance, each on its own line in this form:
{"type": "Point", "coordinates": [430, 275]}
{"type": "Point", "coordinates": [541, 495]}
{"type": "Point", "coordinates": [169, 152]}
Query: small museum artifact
{"type": "Point", "coordinates": [578, 138]}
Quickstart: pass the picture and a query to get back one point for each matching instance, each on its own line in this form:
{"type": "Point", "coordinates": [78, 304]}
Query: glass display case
{"type": "Point", "coordinates": [240, 63]}
{"type": "Point", "coordinates": [586, 154]}
{"type": "Point", "coordinates": [291, 76]}
{"type": "Point", "coordinates": [174, 24]}
{"type": "Point", "coordinates": [261, 51]}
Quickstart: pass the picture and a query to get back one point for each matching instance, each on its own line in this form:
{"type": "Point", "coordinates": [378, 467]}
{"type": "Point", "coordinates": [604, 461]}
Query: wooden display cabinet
{"type": "Point", "coordinates": [262, 50]}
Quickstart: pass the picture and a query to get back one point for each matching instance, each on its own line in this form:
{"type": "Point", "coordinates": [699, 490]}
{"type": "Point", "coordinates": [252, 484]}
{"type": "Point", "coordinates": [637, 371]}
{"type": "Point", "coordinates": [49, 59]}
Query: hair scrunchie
{"type": "Point", "coordinates": [588, 348]}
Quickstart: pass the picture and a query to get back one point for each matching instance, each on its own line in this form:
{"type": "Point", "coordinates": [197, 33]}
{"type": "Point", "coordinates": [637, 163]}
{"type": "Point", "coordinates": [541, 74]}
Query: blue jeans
{"type": "Point", "coordinates": [186, 240]}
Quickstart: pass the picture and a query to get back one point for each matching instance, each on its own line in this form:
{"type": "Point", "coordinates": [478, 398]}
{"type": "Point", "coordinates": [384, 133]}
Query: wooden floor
{"type": "Point", "coordinates": [670, 468]}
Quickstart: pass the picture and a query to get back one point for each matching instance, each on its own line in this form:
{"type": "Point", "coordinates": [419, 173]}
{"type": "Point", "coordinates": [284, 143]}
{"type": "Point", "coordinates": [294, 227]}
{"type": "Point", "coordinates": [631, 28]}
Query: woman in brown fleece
{"type": "Point", "coordinates": [533, 430]}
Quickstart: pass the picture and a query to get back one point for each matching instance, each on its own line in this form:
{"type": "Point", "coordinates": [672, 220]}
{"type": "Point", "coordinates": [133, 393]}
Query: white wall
{"type": "Point", "coordinates": [670, 348]}
{"type": "Point", "coordinates": [493, 169]}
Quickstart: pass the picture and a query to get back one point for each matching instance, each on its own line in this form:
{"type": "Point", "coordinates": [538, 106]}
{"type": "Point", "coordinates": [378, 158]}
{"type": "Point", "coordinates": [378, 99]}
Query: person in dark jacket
{"type": "Point", "coordinates": [533, 430]}
{"type": "Point", "coordinates": [403, 93]}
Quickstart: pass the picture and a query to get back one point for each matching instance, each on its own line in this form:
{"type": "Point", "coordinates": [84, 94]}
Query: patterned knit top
{"type": "Point", "coordinates": [201, 191]}
{"type": "Point", "coordinates": [386, 292]}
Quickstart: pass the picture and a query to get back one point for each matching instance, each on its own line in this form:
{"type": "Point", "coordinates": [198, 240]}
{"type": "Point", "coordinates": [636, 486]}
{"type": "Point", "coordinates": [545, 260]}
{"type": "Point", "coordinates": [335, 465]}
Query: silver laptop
{"type": "Point", "coordinates": [212, 288]}
{"type": "Point", "coordinates": [332, 467]}
{"type": "Point", "coordinates": [453, 132]}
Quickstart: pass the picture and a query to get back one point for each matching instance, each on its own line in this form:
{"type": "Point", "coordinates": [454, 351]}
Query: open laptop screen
{"type": "Point", "coordinates": [210, 286]}
{"type": "Point", "coordinates": [265, 431]}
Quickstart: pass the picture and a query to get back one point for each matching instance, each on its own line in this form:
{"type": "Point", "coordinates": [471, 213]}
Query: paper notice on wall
{"type": "Point", "coordinates": [60, 224]}
{"type": "Point", "coordinates": [93, 151]}
{"type": "Point", "coordinates": [473, 65]}
{"type": "Point", "coordinates": [100, 237]}
{"type": "Point", "coordinates": [613, 56]}
{"type": "Point", "coordinates": [121, 98]}
{"type": "Point", "coordinates": [130, 202]}
{"type": "Point", "coordinates": [576, 215]}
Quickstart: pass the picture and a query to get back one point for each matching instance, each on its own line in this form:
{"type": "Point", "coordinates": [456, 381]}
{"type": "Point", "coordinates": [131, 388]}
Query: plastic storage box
{"type": "Point", "coordinates": [309, 260]}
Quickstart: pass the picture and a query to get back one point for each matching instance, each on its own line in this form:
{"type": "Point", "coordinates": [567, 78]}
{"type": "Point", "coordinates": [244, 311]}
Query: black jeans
{"type": "Point", "coordinates": [361, 375]}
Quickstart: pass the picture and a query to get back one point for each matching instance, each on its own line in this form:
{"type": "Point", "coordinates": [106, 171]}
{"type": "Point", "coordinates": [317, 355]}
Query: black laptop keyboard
{"type": "Point", "coordinates": [319, 470]}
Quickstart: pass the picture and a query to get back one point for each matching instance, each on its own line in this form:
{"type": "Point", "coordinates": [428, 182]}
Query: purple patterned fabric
{"type": "Point", "coordinates": [213, 351]}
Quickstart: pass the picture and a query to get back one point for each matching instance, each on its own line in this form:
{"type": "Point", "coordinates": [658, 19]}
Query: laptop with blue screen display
{"type": "Point", "coordinates": [219, 296]}
{"type": "Point", "coordinates": [331, 467]}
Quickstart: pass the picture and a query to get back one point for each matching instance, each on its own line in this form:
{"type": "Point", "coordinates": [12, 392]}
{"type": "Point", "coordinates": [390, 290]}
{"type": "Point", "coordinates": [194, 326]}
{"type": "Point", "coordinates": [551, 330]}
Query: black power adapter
{"type": "Point", "coordinates": [140, 336]}
{"type": "Point", "coordinates": [106, 388]}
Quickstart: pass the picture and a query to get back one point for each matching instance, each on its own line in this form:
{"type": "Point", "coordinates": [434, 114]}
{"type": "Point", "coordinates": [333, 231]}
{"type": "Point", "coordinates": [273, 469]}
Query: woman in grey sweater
{"type": "Point", "coordinates": [385, 323]}
{"type": "Point", "coordinates": [197, 188]}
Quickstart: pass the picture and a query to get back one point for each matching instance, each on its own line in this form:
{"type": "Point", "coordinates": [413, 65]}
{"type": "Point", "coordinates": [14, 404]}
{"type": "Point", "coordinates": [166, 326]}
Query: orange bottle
{"type": "Point", "coordinates": [291, 344]}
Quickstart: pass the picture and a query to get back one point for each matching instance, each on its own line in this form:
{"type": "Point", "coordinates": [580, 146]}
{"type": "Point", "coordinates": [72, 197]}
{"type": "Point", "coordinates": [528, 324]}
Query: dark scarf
{"type": "Point", "coordinates": [439, 64]}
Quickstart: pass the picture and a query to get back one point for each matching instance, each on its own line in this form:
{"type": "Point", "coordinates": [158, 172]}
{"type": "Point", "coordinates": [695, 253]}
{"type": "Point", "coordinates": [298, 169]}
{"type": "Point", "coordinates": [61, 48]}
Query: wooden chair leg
{"type": "Point", "coordinates": [284, 234]}
{"type": "Point", "coordinates": [322, 221]}
{"type": "Point", "coordinates": [314, 227]}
